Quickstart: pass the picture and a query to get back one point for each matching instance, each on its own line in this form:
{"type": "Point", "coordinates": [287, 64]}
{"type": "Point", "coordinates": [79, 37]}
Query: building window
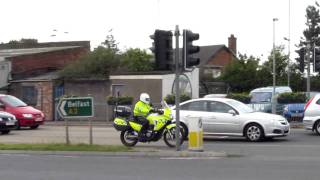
{"type": "Point", "coordinates": [117, 89]}
{"type": "Point", "coordinates": [214, 73]}
{"type": "Point", "coordinates": [29, 95]}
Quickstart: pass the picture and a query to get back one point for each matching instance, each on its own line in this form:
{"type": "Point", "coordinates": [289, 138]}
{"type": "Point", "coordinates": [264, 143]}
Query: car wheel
{"type": "Point", "coordinates": [34, 127]}
{"type": "Point", "coordinates": [5, 132]}
{"type": "Point", "coordinates": [254, 132]}
{"type": "Point", "coordinates": [317, 127]}
{"type": "Point", "coordinates": [18, 127]}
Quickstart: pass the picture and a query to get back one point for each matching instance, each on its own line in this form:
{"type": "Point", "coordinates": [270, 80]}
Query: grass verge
{"type": "Point", "coordinates": [65, 147]}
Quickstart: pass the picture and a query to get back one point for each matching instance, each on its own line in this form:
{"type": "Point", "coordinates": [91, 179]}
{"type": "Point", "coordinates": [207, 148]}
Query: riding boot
{"type": "Point", "coordinates": [142, 135]}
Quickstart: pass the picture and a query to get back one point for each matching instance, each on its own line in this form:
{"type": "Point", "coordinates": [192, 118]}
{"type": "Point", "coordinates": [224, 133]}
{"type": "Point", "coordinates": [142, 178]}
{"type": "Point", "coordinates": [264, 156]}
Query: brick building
{"type": "Point", "coordinates": [29, 72]}
{"type": "Point", "coordinates": [213, 60]}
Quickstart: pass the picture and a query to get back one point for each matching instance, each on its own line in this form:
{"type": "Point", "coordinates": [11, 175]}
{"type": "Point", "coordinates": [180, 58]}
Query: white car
{"type": "Point", "coordinates": [311, 119]}
{"type": "Point", "coordinates": [228, 117]}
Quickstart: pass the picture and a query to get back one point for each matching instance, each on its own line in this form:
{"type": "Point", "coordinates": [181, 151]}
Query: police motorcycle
{"type": "Point", "coordinates": [160, 125]}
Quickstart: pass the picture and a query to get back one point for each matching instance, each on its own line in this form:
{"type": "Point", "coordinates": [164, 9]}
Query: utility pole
{"type": "Point", "coordinates": [273, 99]}
{"type": "Point", "coordinates": [308, 70]}
{"type": "Point", "coordinates": [177, 34]}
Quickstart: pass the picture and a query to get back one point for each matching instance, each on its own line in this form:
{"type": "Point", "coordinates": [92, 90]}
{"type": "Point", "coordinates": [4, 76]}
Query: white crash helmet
{"type": "Point", "coordinates": [144, 97]}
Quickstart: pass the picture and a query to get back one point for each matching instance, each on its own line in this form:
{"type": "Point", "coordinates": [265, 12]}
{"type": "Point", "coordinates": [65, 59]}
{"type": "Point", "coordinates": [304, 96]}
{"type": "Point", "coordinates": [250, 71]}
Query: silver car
{"type": "Point", "coordinates": [228, 117]}
{"type": "Point", "coordinates": [311, 119]}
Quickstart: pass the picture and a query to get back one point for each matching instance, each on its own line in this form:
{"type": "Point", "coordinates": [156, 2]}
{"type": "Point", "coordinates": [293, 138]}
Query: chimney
{"type": "Point", "coordinates": [232, 44]}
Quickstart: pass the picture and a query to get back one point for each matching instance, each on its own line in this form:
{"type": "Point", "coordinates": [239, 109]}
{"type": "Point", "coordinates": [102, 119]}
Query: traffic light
{"type": "Point", "coordinates": [300, 59]}
{"type": "Point", "coordinates": [162, 49]}
{"type": "Point", "coordinates": [316, 60]}
{"type": "Point", "coordinates": [189, 49]}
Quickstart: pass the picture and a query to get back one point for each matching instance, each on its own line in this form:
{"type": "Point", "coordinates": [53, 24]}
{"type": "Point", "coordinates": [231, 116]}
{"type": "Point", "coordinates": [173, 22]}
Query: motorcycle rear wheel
{"type": "Point", "coordinates": [128, 138]}
{"type": "Point", "coordinates": [169, 137]}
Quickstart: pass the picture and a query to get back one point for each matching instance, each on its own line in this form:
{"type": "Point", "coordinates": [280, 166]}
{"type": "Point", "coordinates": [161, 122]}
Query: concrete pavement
{"type": "Point", "coordinates": [103, 134]}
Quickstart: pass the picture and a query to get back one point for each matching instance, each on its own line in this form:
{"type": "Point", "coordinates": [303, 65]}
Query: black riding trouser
{"type": "Point", "coordinates": [144, 122]}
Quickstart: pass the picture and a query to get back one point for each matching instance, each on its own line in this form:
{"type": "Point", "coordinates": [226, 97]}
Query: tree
{"type": "Point", "coordinates": [281, 60]}
{"type": "Point", "coordinates": [246, 74]}
{"type": "Point", "coordinates": [110, 42]}
{"type": "Point", "coordinates": [98, 63]}
{"type": "Point", "coordinates": [23, 41]}
{"type": "Point", "coordinates": [106, 59]}
{"type": "Point", "coordinates": [137, 60]}
{"type": "Point", "coordinates": [311, 35]}
{"type": "Point", "coordinates": [241, 74]}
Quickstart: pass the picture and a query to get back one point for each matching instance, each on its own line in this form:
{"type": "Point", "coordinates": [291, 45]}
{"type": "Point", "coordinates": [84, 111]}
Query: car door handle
{"type": "Point", "coordinates": [211, 117]}
{"type": "Point", "coordinates": [188, 116]}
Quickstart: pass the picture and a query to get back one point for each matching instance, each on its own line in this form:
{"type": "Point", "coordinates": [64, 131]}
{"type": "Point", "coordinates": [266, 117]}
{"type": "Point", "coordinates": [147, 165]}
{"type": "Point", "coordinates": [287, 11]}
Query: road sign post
{"type": "Point", "coordinates": [76, 107]}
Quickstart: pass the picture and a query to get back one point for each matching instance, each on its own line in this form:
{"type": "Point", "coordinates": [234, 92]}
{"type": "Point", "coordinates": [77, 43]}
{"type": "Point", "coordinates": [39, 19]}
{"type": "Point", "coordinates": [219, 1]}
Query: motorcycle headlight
{"type": "Point", "coordinates": [27, 116]}
{"type": "Point", "coordinates": [1, 119]}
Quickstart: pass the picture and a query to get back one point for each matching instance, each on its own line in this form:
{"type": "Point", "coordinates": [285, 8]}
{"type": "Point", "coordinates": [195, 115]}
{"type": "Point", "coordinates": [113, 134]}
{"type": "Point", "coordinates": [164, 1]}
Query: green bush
{"type": "Point", "coordinates": [122, 100]}
{"type": "Point", "coordinates": [171, 98]}
{"type": "Point", "coordinates": [295, 97]}
{"type": "Point", "coordinates": [242, 97]}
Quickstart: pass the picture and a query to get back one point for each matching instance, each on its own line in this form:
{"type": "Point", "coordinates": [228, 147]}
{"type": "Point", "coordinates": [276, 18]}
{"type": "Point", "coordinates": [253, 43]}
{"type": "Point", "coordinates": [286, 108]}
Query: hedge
{"type": "Point", "coordinates": [171, 98]}
{"type": "Point", "coordinates": [122, 100]}
{"type": "Point", "coordinates": [242, 97]}
{"type": "Point", "coordinates": [290, 98]}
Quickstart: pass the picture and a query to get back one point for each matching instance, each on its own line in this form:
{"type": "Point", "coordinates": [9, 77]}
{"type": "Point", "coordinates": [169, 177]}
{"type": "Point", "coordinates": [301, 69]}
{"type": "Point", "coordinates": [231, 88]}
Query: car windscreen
{"type": "Point", "coordinates": [239, 106]}
{"type": "Point", "coordinates": [257, 97]}
{"type": "Point", "coordinates": [13, 101]}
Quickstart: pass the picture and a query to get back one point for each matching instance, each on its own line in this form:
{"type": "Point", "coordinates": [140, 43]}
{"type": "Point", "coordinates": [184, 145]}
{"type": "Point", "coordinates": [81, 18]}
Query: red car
{"type": "Point", "coordinates": [26, 116]}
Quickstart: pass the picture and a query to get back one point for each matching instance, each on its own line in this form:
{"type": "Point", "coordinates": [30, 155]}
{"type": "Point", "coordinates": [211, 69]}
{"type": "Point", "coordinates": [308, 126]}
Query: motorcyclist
{"type": "Point", "coordinates": [141, 110]}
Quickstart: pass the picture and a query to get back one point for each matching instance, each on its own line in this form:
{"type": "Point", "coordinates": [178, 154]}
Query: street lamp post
{"type": "Point", "coordinates": [273, 100]}
{"type": "Point", "coordinates": [288, 66]}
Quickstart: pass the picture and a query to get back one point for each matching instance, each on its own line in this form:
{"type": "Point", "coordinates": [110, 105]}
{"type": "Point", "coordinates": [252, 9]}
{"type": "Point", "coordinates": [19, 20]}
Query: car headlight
{"type": "Point", "coordinates": [285, 109]}
{"type": "Point", "coordinates": [276, 122]}
{"type": "Point", "coordinates": [27, 115]}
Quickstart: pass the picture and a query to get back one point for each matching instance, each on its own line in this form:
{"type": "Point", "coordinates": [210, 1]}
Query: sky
{"type": "Point", "coordinates": [133, 21]}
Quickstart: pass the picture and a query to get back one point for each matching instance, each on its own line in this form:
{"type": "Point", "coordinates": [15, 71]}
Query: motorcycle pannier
{"type": "Point", "coordinates": [122, 111]}
{"type": "Point", "coordinates": [120, 124]}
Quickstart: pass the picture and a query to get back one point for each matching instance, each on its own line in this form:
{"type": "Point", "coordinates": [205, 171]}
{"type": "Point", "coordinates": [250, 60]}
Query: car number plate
{"type": "Point", "coordinates": [38, 119]}
{"type": "Point", "coordinates": [9, 123]}
{"type": "Point", "coordinates": [297, 115]}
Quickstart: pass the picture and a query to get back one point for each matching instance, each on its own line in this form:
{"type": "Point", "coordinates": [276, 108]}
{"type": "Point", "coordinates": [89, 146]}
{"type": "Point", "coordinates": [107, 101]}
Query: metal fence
{"type": "Point", "coordinates": [292, 115]}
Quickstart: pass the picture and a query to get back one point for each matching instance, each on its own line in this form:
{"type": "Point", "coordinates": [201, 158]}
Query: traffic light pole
{"type": "Point", "coordinates": [177, 97]}
{"type": "Point", "coordinates": [308, 71]}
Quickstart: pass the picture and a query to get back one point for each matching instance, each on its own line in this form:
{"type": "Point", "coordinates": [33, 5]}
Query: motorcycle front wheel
{"type": "Point", "coordinates": [128, 138]}
{"type": "Point", "coordinates": [169, 137]}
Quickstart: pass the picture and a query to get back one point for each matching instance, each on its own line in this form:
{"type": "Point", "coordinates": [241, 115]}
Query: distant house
{"type": "Point", "coordinates": [30, 71]}
{"type": "Point", "coordinates": [213, 60]}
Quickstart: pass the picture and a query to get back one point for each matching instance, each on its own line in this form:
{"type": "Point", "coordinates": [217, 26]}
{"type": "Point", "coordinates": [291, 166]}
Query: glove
{"type": "Point", "coordinates": [160, 111]}
{"type": "Point", "coordinates": [153, 110]}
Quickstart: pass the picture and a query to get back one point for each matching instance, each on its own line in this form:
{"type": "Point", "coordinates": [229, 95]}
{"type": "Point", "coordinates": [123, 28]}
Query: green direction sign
{"type": "Point", "coordinates": [76, 107]}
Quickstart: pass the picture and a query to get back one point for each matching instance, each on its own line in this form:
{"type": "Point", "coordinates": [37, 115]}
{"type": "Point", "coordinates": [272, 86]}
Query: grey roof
{"type": "Point", "coordinates": [18, 52]}
{"type": "Point", "coordinates": [207, 52]}
{"type": "Point", "coordinates": [44, 77]}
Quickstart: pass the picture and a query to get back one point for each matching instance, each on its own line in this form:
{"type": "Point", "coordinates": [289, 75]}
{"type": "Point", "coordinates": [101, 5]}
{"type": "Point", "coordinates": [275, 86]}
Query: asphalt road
{"type": "Point", "coordinates": [290, 158]}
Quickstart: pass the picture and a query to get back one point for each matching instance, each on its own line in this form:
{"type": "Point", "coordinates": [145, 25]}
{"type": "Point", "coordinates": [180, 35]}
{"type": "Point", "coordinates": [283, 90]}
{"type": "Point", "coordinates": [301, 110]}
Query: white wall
{"type": "Point", "coordinates": [5, 69]}
{"type": "Point", "coordinates": [168, 81]}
